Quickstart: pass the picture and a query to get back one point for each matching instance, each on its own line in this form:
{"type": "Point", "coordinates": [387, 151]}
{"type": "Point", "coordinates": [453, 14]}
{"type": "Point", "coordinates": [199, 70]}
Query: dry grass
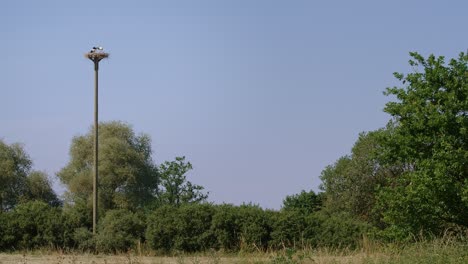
{"type": "Point", "coordinates": [122, 259]}
{"type": "Point", "coordinates": [437, 251]}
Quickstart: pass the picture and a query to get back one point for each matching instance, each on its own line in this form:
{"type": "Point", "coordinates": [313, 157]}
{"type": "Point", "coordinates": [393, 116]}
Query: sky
{"type": "Point", "coordinates": [260, 96]}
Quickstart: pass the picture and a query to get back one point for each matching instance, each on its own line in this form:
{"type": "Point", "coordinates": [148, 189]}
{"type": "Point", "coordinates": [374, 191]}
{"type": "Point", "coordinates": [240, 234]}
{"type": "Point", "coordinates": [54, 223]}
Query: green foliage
{"type": "Point", "coordinates": [40, 188]}
{"type": "Point", "coordinates": [226, 227]}
{"type": "Point", "coordinates": [76, 216]}
{"type": "Point", "coordinates": [334, 229]}
{"type": "Point", "coordinates": [161, 229]}
{"type": "Point", "coordinates": [288, 229]}
{"type": "Point", "coordinates": [127, 176]}
{"type": "Point", "coordinates": [33, 224]}
{"type": "Point", "coordinates": [305, 202]}
{"type": "Point", "coordinates": [430, 120]}
{"type": "Point", "coordinates": [119, 231]}
{"type": "Point", "coordinates": [255, 225]}
{"type": "Point", "coordinates": [8, 233]}
{"type": "Point", "coordinates": [15, 165]}
{"type": "Point", "coordinates": [175, 188]}
{"type": "Point", "coordinates": [351, 184]}
{"type": "Point", "coordinates": [193, 225]}
{"type": "Point", "coordinates": [246, 227]}
{"type": "Point", "coordinates": [83, 239]}
{"type": "Point", "coordinates": [184, 228]}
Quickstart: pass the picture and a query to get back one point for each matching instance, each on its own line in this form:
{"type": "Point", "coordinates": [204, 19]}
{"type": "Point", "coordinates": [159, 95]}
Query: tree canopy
{"type": "Point", "coordinates": [18, 183]}
{"type": "Point", "coordinates": [175, 188]}
{"type": "Point", "coordinates": [128, 177]}
{"type": "Point", "coordinates": [430, 140]}
{"type": "Point", "coordinates": [15, 165]}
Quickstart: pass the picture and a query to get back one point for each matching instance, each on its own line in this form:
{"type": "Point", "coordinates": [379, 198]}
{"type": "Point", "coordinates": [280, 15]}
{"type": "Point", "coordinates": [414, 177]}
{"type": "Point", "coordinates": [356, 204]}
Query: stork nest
{"type": "Point", "coordinates": [96, 55]}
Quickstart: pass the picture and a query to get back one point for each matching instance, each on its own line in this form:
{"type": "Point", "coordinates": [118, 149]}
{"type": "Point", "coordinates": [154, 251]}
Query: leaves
{"type": "Point", "coordinates": [175, 188]}
{"type": "Point", "coordinates": [430, 134]}
{"type": "Point", "coordinates": [128, 177]}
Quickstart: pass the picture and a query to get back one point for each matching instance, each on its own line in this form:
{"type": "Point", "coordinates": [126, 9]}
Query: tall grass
{"type": "Point", "coordinates": [442, 250]}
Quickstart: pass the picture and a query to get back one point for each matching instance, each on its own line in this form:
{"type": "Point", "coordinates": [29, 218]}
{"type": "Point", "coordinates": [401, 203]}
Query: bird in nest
{"type": "Point", "coordinates": [94, 49]}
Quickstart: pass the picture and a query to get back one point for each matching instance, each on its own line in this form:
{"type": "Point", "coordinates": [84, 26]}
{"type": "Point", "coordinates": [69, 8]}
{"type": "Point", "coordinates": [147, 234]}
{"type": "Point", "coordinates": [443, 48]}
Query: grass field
{"type": "Point", "coordinates": [439, 251]}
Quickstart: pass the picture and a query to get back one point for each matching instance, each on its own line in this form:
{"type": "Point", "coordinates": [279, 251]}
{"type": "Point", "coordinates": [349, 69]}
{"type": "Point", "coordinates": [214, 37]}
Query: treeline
{"type": "Point", "coordinates": [399, 183]}
{"type": "Point", "coordinates": [188, 228]}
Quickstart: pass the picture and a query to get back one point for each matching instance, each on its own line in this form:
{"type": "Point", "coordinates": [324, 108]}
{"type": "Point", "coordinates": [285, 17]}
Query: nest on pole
{"type": "Point", "coordinates": [96, 56]}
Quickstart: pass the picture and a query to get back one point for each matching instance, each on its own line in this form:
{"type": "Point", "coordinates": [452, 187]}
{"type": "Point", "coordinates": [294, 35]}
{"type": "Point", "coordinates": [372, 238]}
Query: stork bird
{"type": "Point", "coordinates": [96, 48]}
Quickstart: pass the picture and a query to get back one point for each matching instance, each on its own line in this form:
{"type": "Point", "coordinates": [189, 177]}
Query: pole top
{"type": "Point", "coordinates": [96, 54]}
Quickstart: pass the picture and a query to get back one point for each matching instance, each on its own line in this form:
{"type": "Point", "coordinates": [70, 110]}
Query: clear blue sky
{"type": "Point", "coordinates": [259, 95]}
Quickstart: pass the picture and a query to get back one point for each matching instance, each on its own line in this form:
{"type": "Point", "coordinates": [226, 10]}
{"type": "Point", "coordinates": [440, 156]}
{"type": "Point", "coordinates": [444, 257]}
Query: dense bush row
{"type": "Point", "coordinates": [189, 228]}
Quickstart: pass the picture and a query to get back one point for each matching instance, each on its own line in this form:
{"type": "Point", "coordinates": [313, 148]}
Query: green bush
{"type": "Point", "coordinates": [305, 202]}
{"type": "Point", "coordinates": [226, 227]}
{"type": "Point", "coordinates": [185, 228]}
{"type": "Point", "coordinates": [193, 228]}
{"type": "Point", "coordinates": [119, 231]}
{"type": "Point", "coordinates": [339, 230]}
{"type": "Point", "coordinates": [78, 216]}
{"type": "Point", "coordinates": [288, 229]}
{"type": "Point", "coordinates": [8, 235]}
{"type": "Point", "coordinates": [35, 224]}
{"type": "Point", "coordinates": [83, 239]}
{"type": "Point", "coordinates": [161, 229]}
{"type": "Point", "coordinates": [256, 226]}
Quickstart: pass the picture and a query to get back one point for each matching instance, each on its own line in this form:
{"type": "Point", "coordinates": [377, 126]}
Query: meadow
{"type": "Point", "coordinates": [444, 250]}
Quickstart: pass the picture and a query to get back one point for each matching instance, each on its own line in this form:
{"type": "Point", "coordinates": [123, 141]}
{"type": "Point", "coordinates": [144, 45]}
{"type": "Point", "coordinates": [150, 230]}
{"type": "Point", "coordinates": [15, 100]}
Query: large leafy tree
{"type": "Point", "coordinates": [15, 165]}
{"type": "Point", "coordinates": [39, 187]}
{"type": "Point", "coordinates": [18, 183]}
{"type": "Point", "coordinates": [430, 141]}
{"type": "Point", "coordinates": [128, 177]}
{"type": "Point", "coordinates": [351, 184]}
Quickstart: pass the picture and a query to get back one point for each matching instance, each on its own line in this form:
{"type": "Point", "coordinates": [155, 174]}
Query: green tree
{"type": "Point", "coordinates": [15, 166]}
{"type": "Point", "coordinates": [39, 188]}
{"type": "Point", "coordinates": [430, 140]}
{"type": "Point", "coordinates": [305, 202]}
{"type": "Point", "coordinates": [18, 183]}
{"type": "Point", "coordinates": [128, 177]}
{"type": "Point", "coordinates": [175, 188]}
{"type": "Point", "coordinates": [352, 183]}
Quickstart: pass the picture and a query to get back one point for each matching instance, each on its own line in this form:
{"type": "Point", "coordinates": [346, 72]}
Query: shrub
{"type": "Point", "coordinates": [334, 230]}
{"type": "Point", "coordinates": [185, 228]}
{"type": "Point", "coordinates": [193, 228]}
{"type": "Point", "coordinates": [288, 229]}
{"type": "Point", "coordinates": [35, 224]}
{"type": "Point", "coordinates": [78, 216]}
{"type": "Point", "coordinates": [83, 239]}
{"type": "Point", "coordinates": [255, 225]}
{"type": "Point", "coordinates": [306, 202]}
{"type": "Point", "coordinates": [118, 231]}
{"type": "Point", "coordinates": [8, 235]}
{"type": "Point", "coordinates": [226, 228]}
{"type": "Point", "coordinates": [161, 229]}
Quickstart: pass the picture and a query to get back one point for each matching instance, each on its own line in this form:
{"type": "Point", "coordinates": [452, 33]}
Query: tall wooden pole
{"type": "Point", "coordinates": [96, 161]}
{"type": "Point", "coordinates": [96, 55]}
